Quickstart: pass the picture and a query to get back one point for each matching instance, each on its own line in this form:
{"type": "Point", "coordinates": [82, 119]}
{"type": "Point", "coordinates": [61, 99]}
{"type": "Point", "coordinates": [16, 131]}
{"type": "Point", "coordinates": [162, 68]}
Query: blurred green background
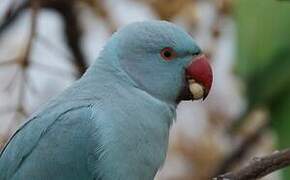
{"type": "Point", "coordinates": [264, 60]}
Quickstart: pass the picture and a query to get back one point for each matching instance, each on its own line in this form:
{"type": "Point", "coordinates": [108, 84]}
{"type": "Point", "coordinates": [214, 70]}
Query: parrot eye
{"type": "Point", "coordinates": [168, 53]}
{"type": "Point", "coordinates": [196, 53]}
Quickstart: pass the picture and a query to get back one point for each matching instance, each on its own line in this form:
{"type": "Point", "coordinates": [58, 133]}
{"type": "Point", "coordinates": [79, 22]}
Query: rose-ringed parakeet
{"type": "Point", "coordinates": [113, 123]}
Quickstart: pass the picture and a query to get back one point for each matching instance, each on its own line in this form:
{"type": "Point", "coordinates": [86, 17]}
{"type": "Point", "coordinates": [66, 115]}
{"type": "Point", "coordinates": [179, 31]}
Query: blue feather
{"type": "Point", "coordinates": [114, 122]}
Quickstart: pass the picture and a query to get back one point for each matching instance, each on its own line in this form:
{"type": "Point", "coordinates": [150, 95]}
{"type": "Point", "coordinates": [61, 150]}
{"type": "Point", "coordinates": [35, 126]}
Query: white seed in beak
{"type": "Point", "coordinates": [196, 90]}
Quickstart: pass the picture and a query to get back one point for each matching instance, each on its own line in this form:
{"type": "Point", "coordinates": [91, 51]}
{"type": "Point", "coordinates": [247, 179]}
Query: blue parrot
{"type": "Point", "coordinates": [113, 123]}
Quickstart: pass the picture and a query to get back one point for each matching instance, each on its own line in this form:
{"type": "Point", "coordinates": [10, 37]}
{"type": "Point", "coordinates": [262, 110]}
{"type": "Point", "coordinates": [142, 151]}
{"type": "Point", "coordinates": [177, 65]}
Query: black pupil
{"type": "Point", "coordinates": [167, 54]}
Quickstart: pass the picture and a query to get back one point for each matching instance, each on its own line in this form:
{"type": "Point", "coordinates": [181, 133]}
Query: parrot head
{"type": "Point", "coordinates": [163, 60]}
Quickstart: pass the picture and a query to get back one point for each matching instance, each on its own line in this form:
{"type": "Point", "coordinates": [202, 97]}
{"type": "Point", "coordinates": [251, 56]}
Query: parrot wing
{"type": "Point", "coordinates": [51, 145]}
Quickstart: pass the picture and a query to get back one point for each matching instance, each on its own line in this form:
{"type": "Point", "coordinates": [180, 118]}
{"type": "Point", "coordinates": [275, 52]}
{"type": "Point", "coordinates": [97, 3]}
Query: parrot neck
{"type": "Point", "coordinates": [108, 68]}
{"type": "Point", "coordinates": [133, 143]}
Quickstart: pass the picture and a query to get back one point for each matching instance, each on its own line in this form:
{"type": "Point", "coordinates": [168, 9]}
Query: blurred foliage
{"type": "Point", "coordinates": [263, 29]}
{"type": "Point", "coordinates": [264, 60]}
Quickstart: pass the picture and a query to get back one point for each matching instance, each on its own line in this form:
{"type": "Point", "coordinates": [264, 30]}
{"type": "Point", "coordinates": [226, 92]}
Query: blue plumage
{"type": "Point", "coordinates": [114, 122]}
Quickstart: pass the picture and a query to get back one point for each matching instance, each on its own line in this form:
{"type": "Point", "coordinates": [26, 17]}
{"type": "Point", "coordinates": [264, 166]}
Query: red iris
{"type": "Point", "coordinates": [168, 53]}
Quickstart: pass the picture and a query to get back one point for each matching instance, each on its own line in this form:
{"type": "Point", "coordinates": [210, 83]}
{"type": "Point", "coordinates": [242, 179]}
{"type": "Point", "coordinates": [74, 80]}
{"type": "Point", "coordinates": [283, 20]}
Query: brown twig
{"type": "Point", "coordinates": [67, 10]}
{"type": "Point", "coordinates": [12, 15]}
{"type": "Point", "coordinates": [260, 167]}
{"type": "Point", "coordinates": [72, 27]}
{"type": "Point", "coordinates": [72, 31]}
{"type": "Point", "coordinates": [242, 149]}
{"type": "Point", "coordinates": [24, 62]}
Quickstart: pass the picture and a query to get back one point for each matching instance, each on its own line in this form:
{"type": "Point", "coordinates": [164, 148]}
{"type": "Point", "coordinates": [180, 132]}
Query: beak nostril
{"type": "Point", "coordinates": [195, 54]}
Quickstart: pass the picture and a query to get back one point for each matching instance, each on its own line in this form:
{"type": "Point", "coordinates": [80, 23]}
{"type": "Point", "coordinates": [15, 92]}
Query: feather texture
{"type": "Point", "coordinates": [114, 122]}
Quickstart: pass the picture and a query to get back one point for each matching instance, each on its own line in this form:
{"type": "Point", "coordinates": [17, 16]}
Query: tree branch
{"type": "Point", "coordinates": [72, 27]}
{"type": "Point", "coordinates": [11, 17]}
{"type": "Point", "coordinates": [260, 167]}
{"type": "Point", "coordinates": [72, 31]}
{"type": "Point", "coordinates": [240, 152]}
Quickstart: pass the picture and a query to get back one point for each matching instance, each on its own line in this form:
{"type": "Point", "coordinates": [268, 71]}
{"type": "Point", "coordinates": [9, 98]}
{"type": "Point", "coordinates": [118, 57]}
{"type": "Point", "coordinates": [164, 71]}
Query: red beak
{"type": "Point", "coordinates": [200, 70]}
